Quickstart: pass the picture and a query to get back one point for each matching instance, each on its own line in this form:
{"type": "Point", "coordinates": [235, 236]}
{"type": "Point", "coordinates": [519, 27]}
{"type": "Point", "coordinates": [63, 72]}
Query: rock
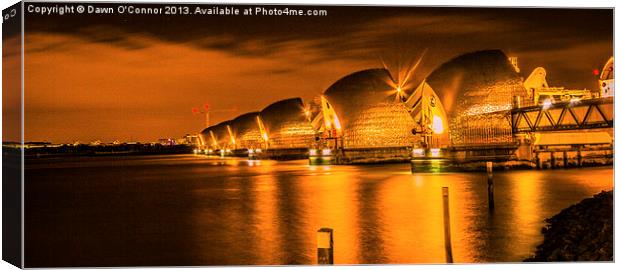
{"type": "Point", "coordinates": [581, 232]}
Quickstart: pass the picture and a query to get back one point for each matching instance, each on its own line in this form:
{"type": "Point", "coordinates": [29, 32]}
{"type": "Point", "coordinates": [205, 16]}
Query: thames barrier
{"type": "Point", "coordinates": [474, 109]}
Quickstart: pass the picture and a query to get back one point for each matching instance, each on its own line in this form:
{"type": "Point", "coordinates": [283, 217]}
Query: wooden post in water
{"type": "Point", "coordinates": [325, 246]}
{"type": "Point", "coordinates": [490, 186]}
{"type": "Point", "coordinates": [446, 225]}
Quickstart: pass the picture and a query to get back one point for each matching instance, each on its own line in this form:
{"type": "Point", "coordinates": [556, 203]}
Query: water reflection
{"type": "Point", "coordinates": [266, 201]}
{"type": "Point", "coordinates": [371, 227]}
{"type": "Point", "coordinates": [198, 211]}
{"type": "Point", "coordinates": [525, 209]}
{"type": "Point", "coordinates": [332, 203]}
{"type": "Point", "coordinates": [291, 219]}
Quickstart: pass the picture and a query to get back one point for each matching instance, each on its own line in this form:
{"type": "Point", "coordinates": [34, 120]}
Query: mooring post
{"type": "Point", "coordinates": [552, 160]}
{"type": "Point", "coordinates": [446, 225]}
{"type": "Point", "coordinates": [490, 186]}
{"type": "Point", "coordinates": [565, 157]}
{"type": "Point", "coordinates": [579, 157]}
{"type": "Point", "coordinates": [325, 246]}
{"type": "Point", "coordinates": [538, 165]}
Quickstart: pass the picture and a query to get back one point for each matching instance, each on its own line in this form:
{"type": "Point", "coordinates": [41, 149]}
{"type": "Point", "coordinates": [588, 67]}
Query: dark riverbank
{"type": "Point", "coordinates": [581, 232]}
{"type": "Point", "coordinates": [107, 150]}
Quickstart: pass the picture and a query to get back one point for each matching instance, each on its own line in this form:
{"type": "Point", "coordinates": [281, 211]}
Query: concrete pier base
{"type": "Point", "coordinates": [471, 158]}
{"type": "Point", "coordinates": [512, 156]}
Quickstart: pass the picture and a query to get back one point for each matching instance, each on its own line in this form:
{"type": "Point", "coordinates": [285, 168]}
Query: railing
{"type": "Point", "coordinates": [570, 115]}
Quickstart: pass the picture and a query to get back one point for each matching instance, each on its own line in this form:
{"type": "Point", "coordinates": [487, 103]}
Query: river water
{"type": "Point", "coordinates": [192, 210]}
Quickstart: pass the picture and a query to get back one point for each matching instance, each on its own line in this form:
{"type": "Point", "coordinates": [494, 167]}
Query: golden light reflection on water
{"type": "Point", "coordinates": [526, 211]}
{"type": "Point", "coordinates": [383, 214]}
{"type": "Point", "coordinates": [189, 210]}
{"type": "Point", "coordinates": [266, 219]}
{"type": "Point", "coordinates": [419, 237]}
{"type": "Point", "coordinates": [332, 203]}
{"type": "Point", "coordinates": [413, 205]}
{"type": "Point", "coordinates": [463, 214]}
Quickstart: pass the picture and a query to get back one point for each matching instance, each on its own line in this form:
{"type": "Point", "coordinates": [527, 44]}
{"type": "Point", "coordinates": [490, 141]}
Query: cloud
{"type": "Point", "coordinates": [102, 88]}
{"type": "Point", "coordinates": [148, 71]}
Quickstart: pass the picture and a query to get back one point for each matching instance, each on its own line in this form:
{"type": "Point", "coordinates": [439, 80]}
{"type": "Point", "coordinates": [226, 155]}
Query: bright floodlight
{"type": "Point", "coordinates": [437, 124]}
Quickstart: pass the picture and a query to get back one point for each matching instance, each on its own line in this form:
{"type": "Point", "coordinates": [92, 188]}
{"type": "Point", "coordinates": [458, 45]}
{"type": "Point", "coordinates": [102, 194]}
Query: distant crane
{"type": "Point", "coordinates": [207, 112]}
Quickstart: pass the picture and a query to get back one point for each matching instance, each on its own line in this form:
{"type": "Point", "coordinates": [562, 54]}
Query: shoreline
{"type": "Point", "coordinates": [580, 232]}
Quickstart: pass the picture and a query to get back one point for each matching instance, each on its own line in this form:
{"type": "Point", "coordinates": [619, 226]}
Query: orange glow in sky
{"type": "Point", "coordinates": [90, 79]}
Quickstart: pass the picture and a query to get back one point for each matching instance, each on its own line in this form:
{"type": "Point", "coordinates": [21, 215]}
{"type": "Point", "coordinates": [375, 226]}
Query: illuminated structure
{"type": "Point", "coordinates": [204, 138]}
{"type": "Point", "coordinates": [470, 109]}
{"type": "Point", "coordinates": [362, 111]}
{"type": "Point", "coordinates": [208, 138]}
{"type": "Point", "coordinates": [245, 129]}
{"type": "Point", "coordinates": [284, 125]}
{"type": "Point", "coordinates": [606, 81]}
{"type": "Point", "coordinates": [473, 86]}
{"type": "Point", "coordinates": [367, 116]}
{"type": "Point", "coordinates": [427, 111]}
{"type": "Point", "coordinates": [281, 125]}
{"type": "Point", "coordinates": [539, 92]}
{"type": "Point", "coordinates": [221, 135]}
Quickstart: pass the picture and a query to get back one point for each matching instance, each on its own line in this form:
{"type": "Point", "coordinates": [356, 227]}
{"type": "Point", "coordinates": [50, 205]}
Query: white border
{"type": "Point", "coordinates": [486, 3]}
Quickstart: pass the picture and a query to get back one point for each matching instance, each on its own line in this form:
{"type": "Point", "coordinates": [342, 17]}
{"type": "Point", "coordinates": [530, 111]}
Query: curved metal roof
{"type": "Point", "coordinates": [286, 124]}
{"type": "Point", "coordinates": [368, 111]}
{"type": "Point", "coordinates": [246, 131]}
{"type": "Point", "coordinates": [207, 138]}
{"type": "Point", "coordinates": [472, 86]}
{"type": "Point", "coordinates": [360, 89]}
{"type": "Point", "coordinates": [366, 86]}
{"type": "Point", "coordinates": [477, 82]}
{"type": "Point", "coordinates": [221, 134]}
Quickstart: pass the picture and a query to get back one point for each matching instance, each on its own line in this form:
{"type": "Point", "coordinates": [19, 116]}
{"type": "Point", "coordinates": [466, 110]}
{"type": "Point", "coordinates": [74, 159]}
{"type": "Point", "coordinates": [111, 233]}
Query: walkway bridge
{"type": "Point", "coordinates": [496, 137]}
{"type": "Point", "coordinates": [569, 115]}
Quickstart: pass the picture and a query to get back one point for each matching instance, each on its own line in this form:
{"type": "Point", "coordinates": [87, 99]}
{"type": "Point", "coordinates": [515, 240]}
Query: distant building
{"type": "Point", "coordinates": [36, 144]}
{"type": "Point", "coordinates": [167, 141]}
{"type": "Point", "coordinates": [188, 139]}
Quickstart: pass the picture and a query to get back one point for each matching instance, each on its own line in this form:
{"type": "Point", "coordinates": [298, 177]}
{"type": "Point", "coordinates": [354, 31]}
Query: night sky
{"type": "Point", "coordinates": [131, 77]}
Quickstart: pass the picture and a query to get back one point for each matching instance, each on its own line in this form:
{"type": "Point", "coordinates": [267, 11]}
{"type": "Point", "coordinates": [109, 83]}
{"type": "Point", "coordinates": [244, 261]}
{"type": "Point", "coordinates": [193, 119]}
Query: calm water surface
{"type": "Point", "coordinates": [192, 210]}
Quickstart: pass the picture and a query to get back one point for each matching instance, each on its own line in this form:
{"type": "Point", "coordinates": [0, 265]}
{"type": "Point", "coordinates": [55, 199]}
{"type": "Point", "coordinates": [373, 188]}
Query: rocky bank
{"type": "Point", "coordinates": [581, 232]}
